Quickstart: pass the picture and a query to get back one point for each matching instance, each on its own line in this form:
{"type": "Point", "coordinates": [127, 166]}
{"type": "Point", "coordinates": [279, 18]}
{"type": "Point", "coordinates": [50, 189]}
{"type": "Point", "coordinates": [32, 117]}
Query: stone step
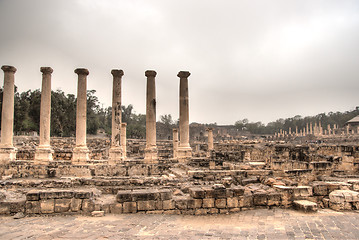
{"type": "Point", "coordinates": [305, 205]}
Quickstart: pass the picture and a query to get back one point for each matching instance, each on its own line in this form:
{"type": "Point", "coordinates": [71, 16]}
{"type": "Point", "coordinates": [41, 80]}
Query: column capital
{"type": "Point", "coordinates": [123, 124]}
{"type": "Point", "coordinates": [7, 68]}
{"type": "Point", "coordinates": [82, 71]}
{"type": "Point", "coordinates": [175, 130]}
{"type": "Point", "coordinates": [46, 70]}
{"type": "Point", "coordinates": [117, 72]}
{"type": "Point", "coordinates": [209, 129]}
{"type": "Point", "coordinates": [183, 74]}
{"type": "Point", "coordinates": [150, 73]}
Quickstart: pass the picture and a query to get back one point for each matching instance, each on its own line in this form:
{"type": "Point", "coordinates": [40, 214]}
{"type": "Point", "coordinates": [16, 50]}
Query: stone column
{"type": "Point", "coordinates": [184, 149]}
{"type": "Point", "coordinates": [175, 142]}
{"type": "Point", "coordinates": [151, 153]}
{"type": "Point", "coordinates": [124, 140]}
{"type": "Point", "coordinates": [347, 128]}
{"type": "Point", "coordinates": [43, 153]}
{"type": "Point", "coordinates": [296, 130]}
{"type": "Point", "coordinates": [115, 152]}
{"type": "Point", "coordinates": [290, 131]}
{"type": "Point", "coordinates": [307, 129]}
{"type": "Point", "coordinates": [210, 139]}
{"type": "Point", "coordinates": [7, 150]}
{"type": "Point", "coordinates": [81, 152]}
{"type": "Point", "coordinates": [329, 130]}
{"type": "Point", "coordinates": [358, 130]}
{"type": "Point", "coordinates": [311, 128]}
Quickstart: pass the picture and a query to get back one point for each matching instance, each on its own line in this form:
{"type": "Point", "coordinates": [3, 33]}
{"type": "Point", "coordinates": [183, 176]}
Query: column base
{"type": "Point", "coordinates": [151, 155]}
{"type": "Point", "coordinates": [115, 155]}
{"type": "Point", "coordinates": [80, 155]}
{"type": "Point", "coordinates": [43, 155]}
{"type": "Point", "coordinates": [7, 154]}
{"type": "Point", "coordinates": [184, 154]}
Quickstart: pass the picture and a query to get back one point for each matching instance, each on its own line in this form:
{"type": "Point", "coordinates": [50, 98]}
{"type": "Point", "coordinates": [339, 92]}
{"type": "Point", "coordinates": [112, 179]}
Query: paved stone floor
{"type": "Point", "coordinates": [254, 224]}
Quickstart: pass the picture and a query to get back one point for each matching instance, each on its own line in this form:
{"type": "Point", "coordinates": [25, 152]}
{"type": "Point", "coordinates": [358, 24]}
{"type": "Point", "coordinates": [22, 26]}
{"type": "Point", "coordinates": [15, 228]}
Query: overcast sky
{"type": "Point", "coordinates": [253, 59]}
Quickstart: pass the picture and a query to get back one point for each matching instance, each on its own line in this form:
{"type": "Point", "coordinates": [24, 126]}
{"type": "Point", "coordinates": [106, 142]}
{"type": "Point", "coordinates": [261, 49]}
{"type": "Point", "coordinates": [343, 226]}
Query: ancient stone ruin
{"type": "Point", "coordinates": [304, 169]}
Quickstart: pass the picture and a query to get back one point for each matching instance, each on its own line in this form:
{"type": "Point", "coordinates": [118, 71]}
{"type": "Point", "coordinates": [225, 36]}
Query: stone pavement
{"type": "Point", "coordinates": [253, 224]}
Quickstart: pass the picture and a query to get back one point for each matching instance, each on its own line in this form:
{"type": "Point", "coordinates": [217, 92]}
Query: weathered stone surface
{"type": "Point", "coordinates": [129, 207]}
{"type": "Point", "coordinates": [146, 205]}
{"type": "Point", "coordinates": [305, 205]}
{"type": "Point", "coordinates": [208, 203]}
{"type": "Point", "coordinates": [220, 203]}
{"type": "Point", "coordinates": [97, 213]}
{"type": "Point", "coordinates": [47, 206]}
{"type": "Point", "coordinates": [62, 205]}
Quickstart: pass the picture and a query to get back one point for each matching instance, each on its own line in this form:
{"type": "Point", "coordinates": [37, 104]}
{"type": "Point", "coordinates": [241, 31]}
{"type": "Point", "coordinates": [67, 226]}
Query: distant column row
{"type": "Point", "coordinates": [117, 153]}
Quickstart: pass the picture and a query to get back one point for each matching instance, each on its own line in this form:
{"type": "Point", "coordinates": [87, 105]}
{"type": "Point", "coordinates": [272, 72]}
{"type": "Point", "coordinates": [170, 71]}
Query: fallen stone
{"type": "Point", "coordinates": [98, 213]}
{"type": "Point", "coordinates": [305, 205]}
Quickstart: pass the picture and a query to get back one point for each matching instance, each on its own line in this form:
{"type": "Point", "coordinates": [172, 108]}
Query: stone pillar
{"type": "Point", "coordinates": [311, 128]}
{"type": "Point", "coordinates": [175, 143]}
{"type": "Point", "coordinates": [184, 149]}
{"type": "Point", "coordinates": [296, 130]}
{"type": "Point", "coordinates": [307, 129]}
{"type": "Point", "coordinates": [115, 152]}
{"type": "Point", "coordinates": [81, 152]}
{"type": "Point", "coordinates": [124, 140]}
{"type": "Point", "coordinates": [7, 150]}
{"type": "Point", "coordinates": [329, 130]}
{"type": "Point", "coordinates": [210, 139]}
{"type": "Point", "coordinates": [151, 153]}
{"type": "Point", "coordinates": [347, 128]}
{"type": "Point", "coordinates": [43, 153]}
{"type": "Point", "coordinates": [290, 131]}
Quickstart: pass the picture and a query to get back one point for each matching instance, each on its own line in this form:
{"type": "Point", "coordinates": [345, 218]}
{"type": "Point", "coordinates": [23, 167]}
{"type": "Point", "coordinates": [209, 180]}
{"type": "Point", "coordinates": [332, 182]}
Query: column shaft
{"type": "Point", "coordinates": [151, 147]}
{"type": "Point", "coordinates": [43, 153]}
{"type": "Point", "coordinates": [7, 150]}
{"type": "Point", "coordinates": [81, 152]}
{"type": "Point", "coordinates": [116, 151]}
{"type": "Point", "coordinates": [175, 142]}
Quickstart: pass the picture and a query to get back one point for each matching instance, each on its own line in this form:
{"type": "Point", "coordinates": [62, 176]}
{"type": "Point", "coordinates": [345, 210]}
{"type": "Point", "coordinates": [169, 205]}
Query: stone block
{"type": "Point", "coordinates": [33, 195]}
{"type": "Point", "coordinates": [146, 205]}
{"type": "Point", "coordinates": [302, 192]}
{"type": "Point", "coordinates": [88, 205]}
{"type": "Point", "coordinates": [219, 193]}
{"type": "Point", "coordinates": [129, 207]}
{"type": "Point", "coordinates": [62, 205]}
{"type": "Point", "coordinates": [273, 199]}
{"type": "Point", "coordinates": [4, 208]}
{"type": "Point", "coordinates": [232, 202]}
{"type": "Point", "coordinates": [320, 189]}
{"type": "Point", "coordinates": [213, 211]}
{"type": "Point", "coordinates": [220, 203]}
{"type": "Point", "coordinates": [260, 198]}
{"type": "Point", "coordinates": [97, 213]}
{"type": "Point", "coordinates": [116, 208]}
{"type": "Point", "coordinates": [201, 211]}
{"type": "Point", "coordinates": [76, 204]}
{"type": "Point", "coordinates": [165, 194]}
{"type": "Point", "coordinates": [209, 192]}
{"type": "Point", "coordinates": [194, 203]}
{"type": "Point", "coordinates": [124, 196]}
{"type": "Point", "coordinates": [238, 191]}
{"type": "Point", "coordinates": [223, 211]}
{"type": "Point", "coordinates": [32, 207]}
{"type": "Point", "coordinates": [83, 194]}
{"type": "Point", "coordinates": [208, 203]}
{"type": "Point", "coordinates": [188, 212]}
{"type": "Point", "coordinates": [245, 201]}
{"type": "Point", "coordinates": [172, 212]}
{"type": "Point", "coordinates": [48, 194]}
{"type": "Point", "coordinates": [197, 192]}
{"type": "Point", "coordinates": [168, 205]}
{"type": "Point", "coordinates": [47, 206]}
{"type": "Point", "coordinates": [159, 204]}
{"type": "Point", "coordinates": [306, 206]}
{"type": "Point", "coordinates": [145, 195]}
{"type": "Point", "coordinates": [181, 203]}
{"type": "Point", "coordinates": [234, 210]}
{"type": "Point", "coordinates": [17, 205]}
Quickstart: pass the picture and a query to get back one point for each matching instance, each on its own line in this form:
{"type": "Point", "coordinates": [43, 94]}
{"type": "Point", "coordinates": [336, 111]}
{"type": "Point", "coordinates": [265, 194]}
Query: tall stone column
{"type": "Point", "coordinates": [116, 151]}
{"type": "Point", "coordinates": [81, 152]}
{"type": "Point", "coordinates": [7, 150]}
{"type": "Point", "coordinates": [311, 128]}
{"type": "Point", "coordinates": [184, 149]}
{"type": "Point", "coordinates": [296, 130]}
{"type": "Point", "coordinates": [151, 154]}
{"type": "Point", "coordinates": [307, 129]}
{"type": "Point", "coordinates": [175, 143]}
{"type": "Point", "coordinates": [43, 153]}
{"type": "Point", "coordinates": [210, 139]}
{"type": "Point", "coordinates": [124, 140]}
